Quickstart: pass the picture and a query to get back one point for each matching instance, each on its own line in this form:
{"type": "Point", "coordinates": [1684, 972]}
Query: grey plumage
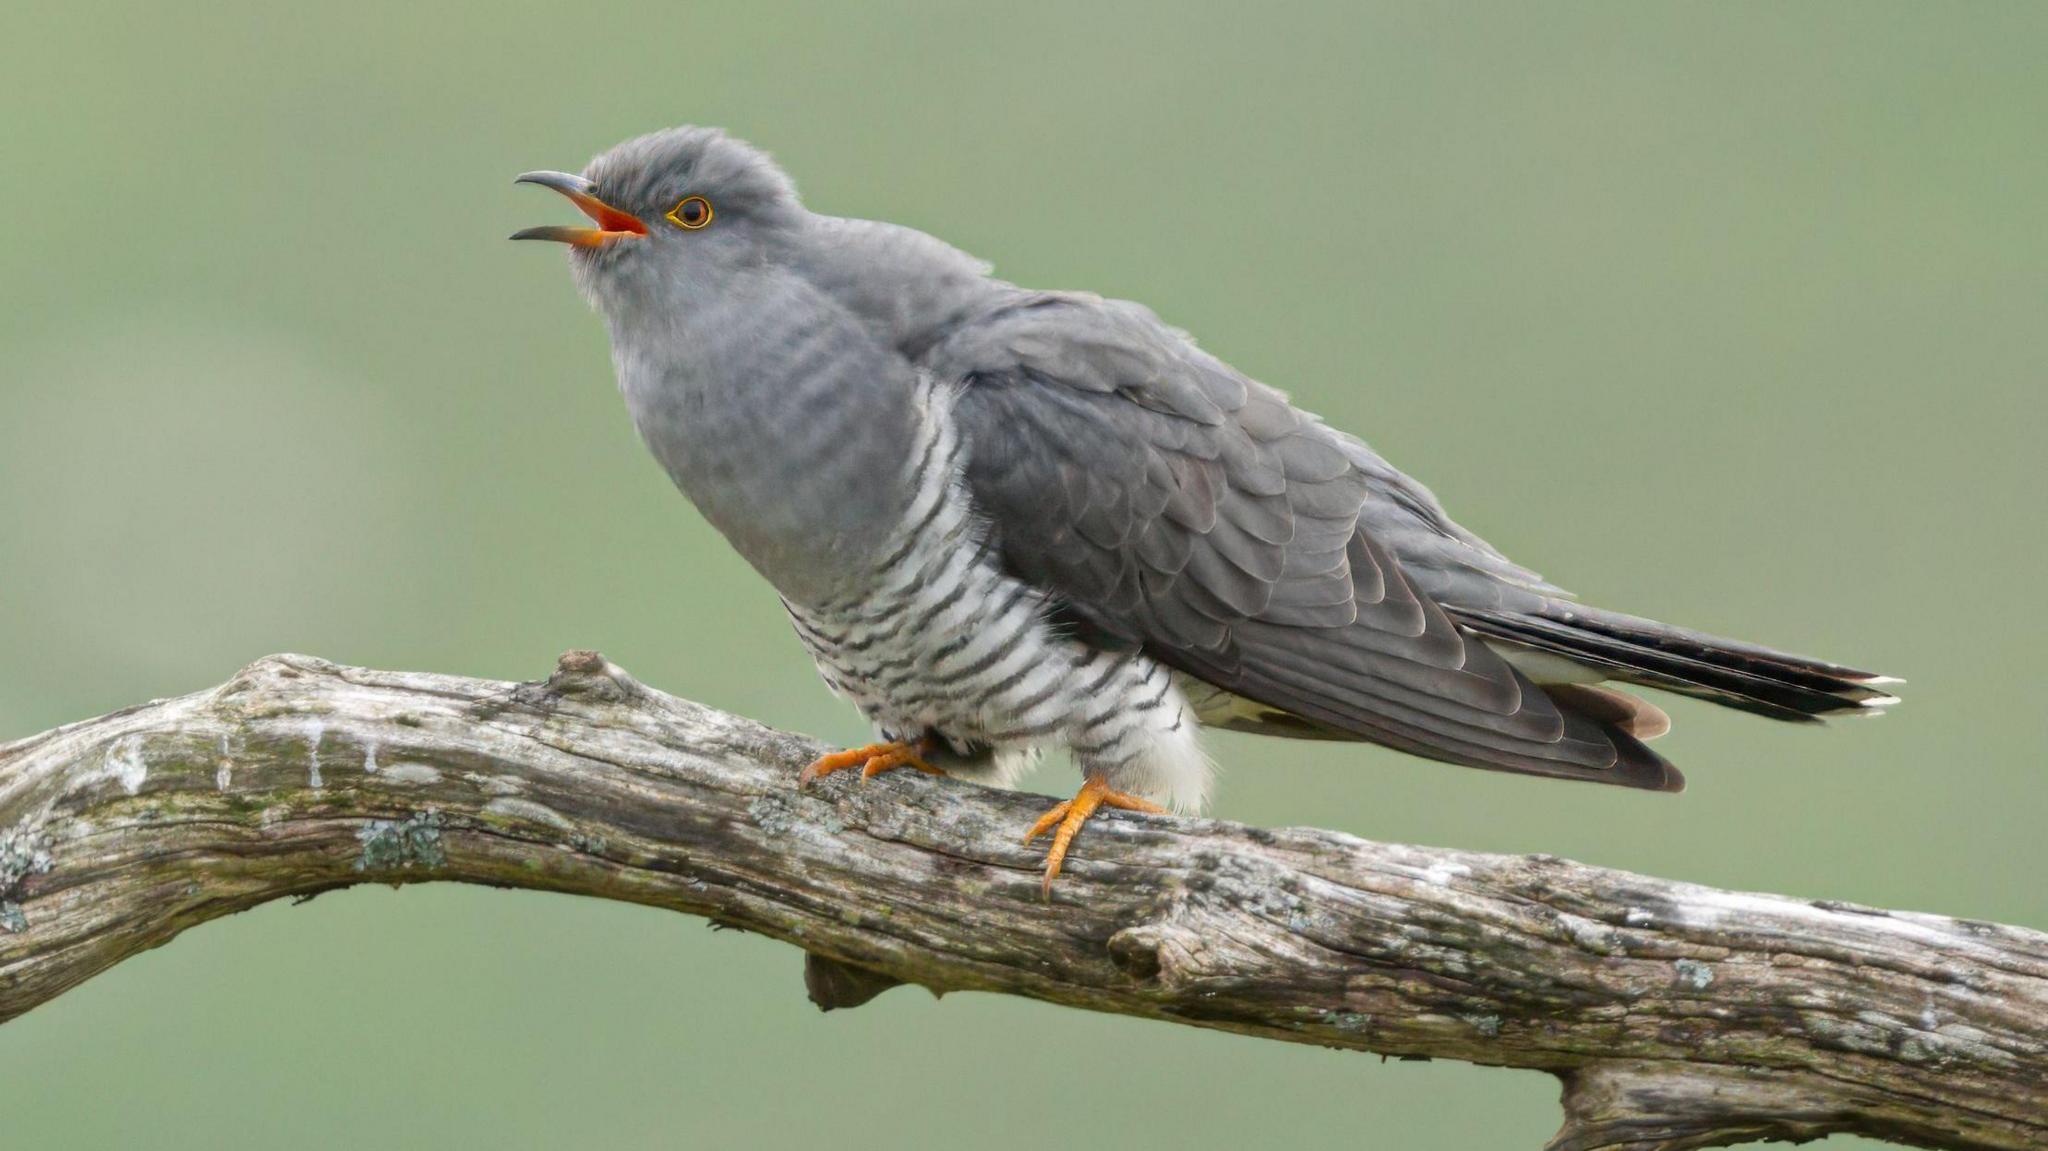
{"type": "Point", "coordinates": [1012, 520]}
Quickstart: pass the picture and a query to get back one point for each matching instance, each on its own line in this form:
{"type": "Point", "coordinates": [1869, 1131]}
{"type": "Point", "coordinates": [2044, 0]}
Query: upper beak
{"type": "Point", "coordinates": [612, 224]}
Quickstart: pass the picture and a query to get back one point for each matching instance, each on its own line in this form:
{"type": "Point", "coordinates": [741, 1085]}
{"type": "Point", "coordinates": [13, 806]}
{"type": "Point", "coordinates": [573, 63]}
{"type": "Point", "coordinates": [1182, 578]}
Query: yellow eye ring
{"type": "Point", "coordinates": [693, 213]}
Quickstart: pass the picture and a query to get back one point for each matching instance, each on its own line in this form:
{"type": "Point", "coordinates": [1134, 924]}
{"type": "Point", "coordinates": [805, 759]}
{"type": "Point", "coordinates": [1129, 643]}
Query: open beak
{"type": "Point", "coordinates": [612, 224]}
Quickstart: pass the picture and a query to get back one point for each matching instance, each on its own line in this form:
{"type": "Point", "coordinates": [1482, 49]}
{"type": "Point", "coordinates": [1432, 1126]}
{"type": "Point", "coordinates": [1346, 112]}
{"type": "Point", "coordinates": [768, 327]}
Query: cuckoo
{"type": "Point", "coordinates": [1006, 522]}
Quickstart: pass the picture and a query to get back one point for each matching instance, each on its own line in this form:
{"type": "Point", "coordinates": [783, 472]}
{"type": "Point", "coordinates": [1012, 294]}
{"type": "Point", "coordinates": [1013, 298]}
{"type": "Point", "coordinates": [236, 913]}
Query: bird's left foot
{"type": "Point", "coordinates": [1069, 816]}
{"type": "Point", "coordinates": [873, 760]}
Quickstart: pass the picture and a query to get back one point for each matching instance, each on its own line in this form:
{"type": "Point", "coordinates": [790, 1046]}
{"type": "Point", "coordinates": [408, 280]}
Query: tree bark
{"type": "Point", "coordinates": [1677, 1016]}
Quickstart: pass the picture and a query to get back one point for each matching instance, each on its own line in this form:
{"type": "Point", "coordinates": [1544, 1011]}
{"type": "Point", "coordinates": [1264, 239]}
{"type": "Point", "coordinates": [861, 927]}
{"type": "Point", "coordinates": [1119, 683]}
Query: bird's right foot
{"type": "Point", "coordinates": [873, 760]}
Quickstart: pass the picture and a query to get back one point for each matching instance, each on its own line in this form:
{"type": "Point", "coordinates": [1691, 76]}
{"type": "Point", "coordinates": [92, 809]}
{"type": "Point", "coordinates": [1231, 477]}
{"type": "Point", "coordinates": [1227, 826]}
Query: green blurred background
{"type": "Point", "coordinates": [1727, 314]}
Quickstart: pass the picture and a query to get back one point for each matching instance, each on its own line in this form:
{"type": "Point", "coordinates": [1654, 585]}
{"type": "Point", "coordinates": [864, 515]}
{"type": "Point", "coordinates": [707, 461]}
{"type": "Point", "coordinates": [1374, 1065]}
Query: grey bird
{"type": "Point", "coordinates": [1005, 521]}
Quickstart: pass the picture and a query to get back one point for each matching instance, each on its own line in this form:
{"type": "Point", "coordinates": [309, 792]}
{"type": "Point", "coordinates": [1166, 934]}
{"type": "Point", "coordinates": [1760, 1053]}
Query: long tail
{"type": "Point", "coordinates": [1636, 650]}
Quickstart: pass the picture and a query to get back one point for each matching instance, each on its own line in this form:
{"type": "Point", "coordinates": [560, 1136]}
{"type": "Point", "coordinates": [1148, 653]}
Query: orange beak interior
{"type": "Point", "coordinates": [612, 224]}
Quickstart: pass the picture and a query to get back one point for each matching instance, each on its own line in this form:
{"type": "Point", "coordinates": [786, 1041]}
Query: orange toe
{"type": "Point", "coordinates": [1048, 820]}
{"type": "Point", "coordinates": [901, 755]}
{"type": "Point", "coordinates": [873, 760]}
{"type": "Point", "coordinates": [1065, 820]}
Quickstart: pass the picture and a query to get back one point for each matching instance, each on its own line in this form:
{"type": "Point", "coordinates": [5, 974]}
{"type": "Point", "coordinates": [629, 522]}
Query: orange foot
{"type": "Point", "coordinates": [1069, 817]}
{"type": "Point", "coordinates": [873, 760]}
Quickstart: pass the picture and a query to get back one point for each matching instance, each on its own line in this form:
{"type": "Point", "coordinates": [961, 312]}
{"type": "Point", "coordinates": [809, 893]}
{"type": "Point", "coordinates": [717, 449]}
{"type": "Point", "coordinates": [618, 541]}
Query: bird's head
{"type": "Point", "coordinates": [672, 210]}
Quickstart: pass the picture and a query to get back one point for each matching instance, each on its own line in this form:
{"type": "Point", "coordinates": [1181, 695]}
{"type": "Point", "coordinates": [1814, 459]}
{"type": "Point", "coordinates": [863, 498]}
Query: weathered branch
{"type": "Point", "coordinates": [1677, 1016]}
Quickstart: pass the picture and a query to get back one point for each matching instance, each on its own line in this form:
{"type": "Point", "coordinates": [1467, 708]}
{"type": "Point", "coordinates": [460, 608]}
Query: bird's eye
{"type": "Point", "coordinates": [693, 213]}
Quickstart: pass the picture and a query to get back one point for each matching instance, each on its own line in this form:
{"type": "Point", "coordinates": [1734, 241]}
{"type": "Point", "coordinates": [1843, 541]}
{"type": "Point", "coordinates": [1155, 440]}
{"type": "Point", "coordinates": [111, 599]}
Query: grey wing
{"type": "Point", "coordinates": [1167, 502]}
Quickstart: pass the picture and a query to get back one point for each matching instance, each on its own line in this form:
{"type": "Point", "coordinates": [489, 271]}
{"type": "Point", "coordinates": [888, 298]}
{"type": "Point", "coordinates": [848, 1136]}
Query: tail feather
{"type": "Point", "coordinates": [1636, 650]}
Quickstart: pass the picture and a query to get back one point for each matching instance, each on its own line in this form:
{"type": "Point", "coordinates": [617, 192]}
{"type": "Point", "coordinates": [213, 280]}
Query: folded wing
{"type": "Point", "coordinates": [1168, 502]}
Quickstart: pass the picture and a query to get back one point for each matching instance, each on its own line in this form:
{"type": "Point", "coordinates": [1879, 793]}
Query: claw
{"type": "Point", "coordinates": [873, 760]}
{"type": "Point", "coordinates": [1068, 816]}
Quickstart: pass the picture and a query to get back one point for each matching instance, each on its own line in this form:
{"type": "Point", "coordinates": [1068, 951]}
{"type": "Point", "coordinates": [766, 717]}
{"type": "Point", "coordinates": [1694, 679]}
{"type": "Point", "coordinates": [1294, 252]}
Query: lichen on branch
{"type": "Point", "coordinates": [1676, 1016]}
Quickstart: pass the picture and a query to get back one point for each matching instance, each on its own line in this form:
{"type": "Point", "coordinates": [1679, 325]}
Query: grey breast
{"type": "Point", "coordinates": [787, 427]}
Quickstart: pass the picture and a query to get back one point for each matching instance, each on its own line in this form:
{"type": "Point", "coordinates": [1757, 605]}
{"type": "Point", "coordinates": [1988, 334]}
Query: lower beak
{"type": "Point", "coordinates": [612, 224]}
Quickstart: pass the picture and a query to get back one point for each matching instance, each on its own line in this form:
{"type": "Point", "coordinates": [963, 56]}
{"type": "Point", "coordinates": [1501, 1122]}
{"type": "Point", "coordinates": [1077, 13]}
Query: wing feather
{"type": "Point", "coordinates": [1168, 501]}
